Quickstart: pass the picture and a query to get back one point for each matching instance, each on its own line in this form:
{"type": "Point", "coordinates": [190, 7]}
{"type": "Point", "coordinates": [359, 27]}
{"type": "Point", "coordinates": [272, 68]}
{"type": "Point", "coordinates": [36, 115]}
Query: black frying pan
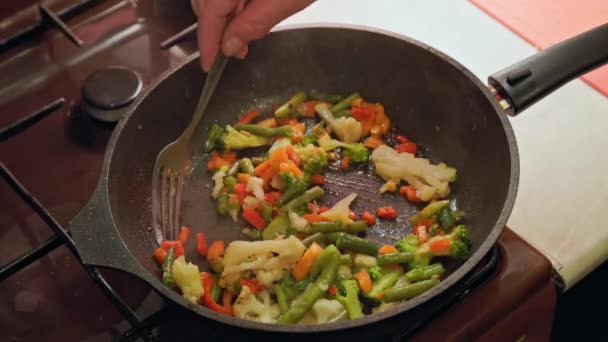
{"type": "Point", "coordinates": [429, 97]}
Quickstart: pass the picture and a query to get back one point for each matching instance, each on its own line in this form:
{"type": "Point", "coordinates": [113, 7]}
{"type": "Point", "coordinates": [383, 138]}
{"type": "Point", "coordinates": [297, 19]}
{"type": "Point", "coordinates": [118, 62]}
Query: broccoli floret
{"type": "Point", "coordinates": [349, 297]}
{"type": "Point", "coordinates": [235, 140]}
{"type": "Point", "coordinates": [291, 287]}
{"type": "Point", "coordinates": [410, 244]}
{"type": "Point", "coordinates": [375, 272]}
{"type": "Point", "coordinates": [288, 180]}
{"type": "Point", "coordinates": [407, 244]}
{"type": "Point", "coordinates": [308, 139]}
{"type": "Point", "coordinates": [357, 152]}
{"type": "Point", "coordinates": [347, 130]}
{"type": "Point", "coordinates": [314, 159]}
{"type": "Point", "coordinates": [458, 248]}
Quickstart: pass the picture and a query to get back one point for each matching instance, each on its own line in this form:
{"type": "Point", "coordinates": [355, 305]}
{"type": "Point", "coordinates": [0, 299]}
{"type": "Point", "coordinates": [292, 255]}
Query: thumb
{"type": "Point", "coordinates": [255, 21]}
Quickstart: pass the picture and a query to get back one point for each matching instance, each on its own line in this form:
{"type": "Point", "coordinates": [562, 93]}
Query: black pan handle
{"type": "Point", "coordinates": [97, 239]}
{"type": "Point", "coordinates": [528, 81]}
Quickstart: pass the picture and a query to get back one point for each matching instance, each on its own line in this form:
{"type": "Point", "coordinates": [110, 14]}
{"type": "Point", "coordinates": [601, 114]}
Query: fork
{"type": "Point", "coordinates": [173, 164]}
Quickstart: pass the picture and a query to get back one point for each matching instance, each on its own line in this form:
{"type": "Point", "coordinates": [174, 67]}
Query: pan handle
{"type": "Point", "coordinates": [524, 83]}
{"type": "Point", "coordinates": [97, 239]}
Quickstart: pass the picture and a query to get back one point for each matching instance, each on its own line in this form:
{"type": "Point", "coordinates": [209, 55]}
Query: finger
{"type": "Point", "coordinates": [211, 21]}
{"type": "Point", "coordinates": [255, 21]}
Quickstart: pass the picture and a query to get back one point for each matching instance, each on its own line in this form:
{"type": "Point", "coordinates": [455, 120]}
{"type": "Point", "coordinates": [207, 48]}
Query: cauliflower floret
{"type": "Point", "coordinates": [188, 278]}
{"type": "Point", "coordinates": [390, 185]}
{"type": "Point", "coordinates": [255, 307]}
{"type": "Point", "coordinates": [298, 223]}
{"type": "Point", "coordinates": [218, 179]}
{"type": "Point", "coordinates": [341, 210]}
{"type": "Point", "coordinates": [255, 186]}
{"type": "Point", "coordinates": [268, 277]}
{"type": "Point", "coordinates": [327, 311]}
{"type": "Point", "coordinates": [431, 181]}
{"type": "Point", "coordinates": [347, 130]}
{"type": "Point", "coordinates": [241, 256]}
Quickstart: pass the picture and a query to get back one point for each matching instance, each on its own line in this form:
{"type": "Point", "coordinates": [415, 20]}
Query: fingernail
{"type": "Point", "coordinates": [242, 54]}
{"type": "Point", "coordinates": [233, 47]}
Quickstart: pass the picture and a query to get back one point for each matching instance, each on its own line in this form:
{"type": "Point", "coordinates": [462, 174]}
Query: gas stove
{"type": "Point", "coordinates": [70, 69]}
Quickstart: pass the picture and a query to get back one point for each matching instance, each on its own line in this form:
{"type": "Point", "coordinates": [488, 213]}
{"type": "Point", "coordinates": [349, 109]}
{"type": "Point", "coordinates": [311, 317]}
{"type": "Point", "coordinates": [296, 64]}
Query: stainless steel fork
{"type": "Point", "coordinates": [173, 164]}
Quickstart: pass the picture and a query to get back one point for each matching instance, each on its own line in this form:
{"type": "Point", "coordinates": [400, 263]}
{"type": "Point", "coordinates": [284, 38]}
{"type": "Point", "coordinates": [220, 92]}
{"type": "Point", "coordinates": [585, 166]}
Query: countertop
{"type": "Point", "coordinates": [562, 139]}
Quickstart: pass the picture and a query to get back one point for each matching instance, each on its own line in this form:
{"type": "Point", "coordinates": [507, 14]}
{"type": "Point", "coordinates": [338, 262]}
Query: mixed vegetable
{"type": "Point", "coordinates": [304, 262]}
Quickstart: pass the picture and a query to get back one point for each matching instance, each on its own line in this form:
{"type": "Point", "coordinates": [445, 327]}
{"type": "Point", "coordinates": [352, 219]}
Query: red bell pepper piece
{"type": "Point", "coordinates": [408, 147]}
{"type": "Point", "coordinates": [363, 113]}
{"type": "Point", "coordinates": [249, 116]}
{"type": "Point", "coordinates": [292, 155]}
{"type": "Point", "coordinates": [272, 197]}
{"type": "Point", "coordinates": [352, 216]}
{"type": "Point", "coordinates": [160, 254]}
{"type": "Point", "coordinates": [201, 244]}
{"type": "Point", "coordinates": [369, 218]}
{"type": "Point", "coordinates": [184, 232]}
{"type": "Point", "coordinates": [241, 191]}
{"type": "Point", "coordinates": [207, 280]}
{"type": "Point", "coordinates": [178, 249]}
{"type": "Point", "coordinates": [386, 213]}
{"type": "Point", "coordinates": [401, 138]}
{"type": "Point", "coordinates": [318, 179]}
{"type": "Point", "coordinates": [253, 284]}
{"type": "Point", "coordinates": [332, 290]}
{"type": "Point", "coordinates": [427, 222]}
{"type": "Point", "coordinates": [254, 218]}
{"type": "Point", "coordinates": [409, 191]}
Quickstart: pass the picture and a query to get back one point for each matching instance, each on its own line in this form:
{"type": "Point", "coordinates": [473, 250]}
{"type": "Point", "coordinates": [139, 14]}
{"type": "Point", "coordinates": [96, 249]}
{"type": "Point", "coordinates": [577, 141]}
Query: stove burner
{"type": "Point", "coordinates": [108, 90]}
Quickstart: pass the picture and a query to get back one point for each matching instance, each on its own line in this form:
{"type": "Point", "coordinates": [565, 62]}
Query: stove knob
{"type": "Point", "coordinates": [107, 91]}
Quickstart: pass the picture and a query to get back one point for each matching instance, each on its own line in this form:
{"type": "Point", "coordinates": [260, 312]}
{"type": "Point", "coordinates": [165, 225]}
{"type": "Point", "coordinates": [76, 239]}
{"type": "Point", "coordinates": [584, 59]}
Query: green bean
{"type": "Point", "coordinates": [281, 297]}
{"type": "Point", "coordinates": [230, 182]}
{"type": "Point", "coordinates": [434, 229]}
{"type": "Point", "coordinates": [296, 189]}
{"type": "Point", "coordinates": [233, 205]}
{"type": "Point", "coordinates": [222, 203]}
{"type": "Point", "coordinates": [321, 260]}
{"type": "Point", "coordinates": [276, 227]}
{"type": "Point", "coordinates": [357, 244]}
{"type": "Point", "coordinates": [216, 290]}
{"type": "Point", "coordinates": [252, 234]}
{"type": "Point", "coordinates": [356, 227]}
{"type": "Point", "coordinates": [344, 113]}
{"type": "Point", "coordinates": [324, 227]}
{"type": "Point", "coordinates": [408, 291]}
{"type": "Point", "coordinates": [303, 303]}
{"type": "Point", "coordinates": [445, 218]}
{"type": "Point", "coordinates": [457, 216]}
{"type": "Point", "coordinates": [308, 196]}
{"type": "Point", "coordinates": [267, 132]}
{"type": "Point", "coordinates": [331, 98]}
{"type": "Point", "coordinates": [329, 227]}
{"type": "Point", "coordinates": [246, 166]}
{"type": "Point", "coordinates": [214, 137]}
{"type": "Point", "coordinates": [167, 264]}
{"type": "Point", "coordinates": [257, 160]}
{"type": "Point", "coordinates": [388, 278]}
{"type": "Point", "coordinates": [346, 260]}
{"type": "Point", "coordinates": [288, 107]}
{"type": "Point", "coordinates": [333, 237]}
{"type": "Point", "coordinates": [428, 211]}
{"type": "Point", "coordinates": [425, 272]}
{"type": "Point", "coordinates": [234, 169]}
{"type": "Point", "coordinates": [266, 211]}
{"type": "Point", "coordinates": [317, 237]}
{"type": "Point", "coordinates": [395, 258]}
{"type": "Point", "coordinates": [344, 103]}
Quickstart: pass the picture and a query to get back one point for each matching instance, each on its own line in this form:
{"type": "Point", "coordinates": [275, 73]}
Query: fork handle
{"type": "Point", "coordinates": [211, 83]}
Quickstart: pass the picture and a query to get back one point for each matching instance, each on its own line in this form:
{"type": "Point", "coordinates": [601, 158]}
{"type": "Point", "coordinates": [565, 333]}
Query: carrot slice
{"type": "Point", "coordinates": [365, 282]}
{"type": "Point", "coordinates": [303, 266]}
{"type": "Point", "coordinates": [160, 254]}
{"type": "Point", "coordinates": [184, 232]}
{"type": "Point", "coordinates": [318, 179]}
{"type": "Point", "coordinates": [216, 250]}
{"type": "Point", "coordinates": [243, 178]}
{"type": "Point", "coordinates": [388, 249]}
{"type": "Point", "coordinates": [249, 116]}
{"type": "Point", "coordinates": [315, 218]}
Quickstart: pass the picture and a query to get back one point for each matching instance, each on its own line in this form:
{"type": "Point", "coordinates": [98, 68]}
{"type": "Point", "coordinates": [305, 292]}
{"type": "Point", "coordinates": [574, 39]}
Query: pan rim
{"type": "Point", "coordinates": [455, 277]}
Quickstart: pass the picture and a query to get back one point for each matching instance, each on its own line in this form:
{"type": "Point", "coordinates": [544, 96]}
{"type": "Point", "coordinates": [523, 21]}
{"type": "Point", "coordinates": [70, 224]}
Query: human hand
{"type": "Point", "coordinates": [251, 20]}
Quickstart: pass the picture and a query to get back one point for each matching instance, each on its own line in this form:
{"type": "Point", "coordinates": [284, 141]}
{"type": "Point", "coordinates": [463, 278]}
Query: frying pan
{"type": "Point", "coordinates": [429, 97]}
